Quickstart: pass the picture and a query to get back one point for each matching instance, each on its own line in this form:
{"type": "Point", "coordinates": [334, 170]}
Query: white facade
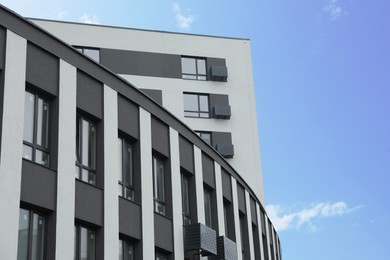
{"type": "Point", "coordinates": [239, 86]}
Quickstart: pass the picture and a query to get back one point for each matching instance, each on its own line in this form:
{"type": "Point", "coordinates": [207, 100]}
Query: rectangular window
{"type": "Point", "coordinates": [161, 256]}
{"type": "Point", "coordinates": [125, 152]}
{"type": "Point", "coordinates": [36, 129]}
{"type": "Point", "coordinates": [206, 136]}
{"type": "Point", "coordinates": [158, 183]}
{"type": "Point", "coordinates": [196, 105]}
{"type": "Point", "coordinates": [193, 68]}
{"type": "Point", "coordinates": [85, 150]}
{"type": "Point", "coordinates": [31, 235]}
{"type": "Point", "coordinates": [207, 207]}
{"type": "Point", "coordinates": [126, 250]}
{"type": "Point", "coordinates": [92, 53]}
{"type": "Point", "coordinates": [84, 243]}
{"type": "Point", "coordinates": [185, 199]}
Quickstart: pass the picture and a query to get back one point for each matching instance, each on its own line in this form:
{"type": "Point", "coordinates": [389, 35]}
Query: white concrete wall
{"type": "Point", "coordinates": [12, 143]}
{"type": "Point", "coordinates": [240, 85]}
{"type": "Point", "coordinates": [219, 195]}
{"type": "Point", "coordinates": [147, 209]}
{"type": "Point", "coordinates": [260, 231]}
{"type": "Point", "coordinates": [249, 221]}
{"type": "Point", "coordinates": [236, 218]}
{"type": "Point", "coordinates": [176, 195]}
{"type": "Point", "coordinates": [199, 185]}
{"type": "Point", "coordinates": [111, 168]}
{"type": "Point", "coordinates": [66, 164]}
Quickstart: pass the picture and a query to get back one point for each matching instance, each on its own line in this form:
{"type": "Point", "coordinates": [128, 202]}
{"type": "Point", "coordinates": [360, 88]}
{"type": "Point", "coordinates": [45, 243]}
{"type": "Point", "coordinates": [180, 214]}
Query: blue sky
{"type": "Point", "coordinates": [322, 79]}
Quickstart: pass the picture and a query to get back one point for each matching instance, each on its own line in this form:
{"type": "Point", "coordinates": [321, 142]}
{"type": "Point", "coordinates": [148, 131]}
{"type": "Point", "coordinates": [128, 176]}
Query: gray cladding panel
{"type": "Point", "coordinates": [42, 69]}
{"type": "Point", "coordinates": [141, 63]}
{"type": "Point", "coordinates": [154, 94]}
{"type": "Point", "coordinates": [214, 62]}
{"type": "Point", "coordinates": [128, 117]}
{"type": "Point", "coordinates": [160, 137]}
{"type": "Point", "coordinates": [163, 232]}
{"type": "Point", "coordinates": [241, 198]}
{"type": "Point", "coordinates": [89, 95]}
{"type": "Point", "coordinates": [226, 185]}
{"type": "Point", "coordinates": [218, 99]}
{"type": "Point", "coordinates": [208, 170]}
{"type": "Point", "coordinates": [2, 46]}
{"type": "Point", "coordinates": [253, 210]}
{"type": "Point", "coordinates": [129, 218]}
{"type": "Point", "coordinates": [186, 154]}
{"type": "Point", "coordinates": [39, 185]}
{"type": "Point", "coordinates": [89, 203]}
{"type": "Point", "coordinates": [221, 138]}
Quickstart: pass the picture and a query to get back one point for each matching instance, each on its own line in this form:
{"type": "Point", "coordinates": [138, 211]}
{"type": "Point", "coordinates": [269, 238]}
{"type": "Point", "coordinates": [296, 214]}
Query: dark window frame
{"type": "Point", "coordinates": [186, 213]}
{"type": "Point", "coordinates": [79, 149]}
{"type": "Point", "coordinates": [124, 243]}
{"type": "Point", "coordinates": [197, 75]}
{"type": "Point", "coordinates": [126, 144]}
{"type": "Point", "coordinates": [158, 201]}
{"type": "Point", "coordinates": [77, 242]}
{"type": "Point", "coordinates": [199, 112]}
{"type": "Point", "coordinates": [34, 145]}
{"type": "Point", "coordinates": [31, 235]}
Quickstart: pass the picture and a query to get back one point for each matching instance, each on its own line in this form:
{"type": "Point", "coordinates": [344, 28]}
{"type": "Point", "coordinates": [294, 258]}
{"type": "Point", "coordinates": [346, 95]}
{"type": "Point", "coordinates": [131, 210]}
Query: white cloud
{"type": "Point", "coordinates": [284, 219]}
{"type": "Point", "coordinates": [86, 18]}
{"type": "Point", "coordinates": [61, 14]}
{"type": "Point", "coordinates": [184, 22]}
{"type": "Point", "coordinates": [333, 9]}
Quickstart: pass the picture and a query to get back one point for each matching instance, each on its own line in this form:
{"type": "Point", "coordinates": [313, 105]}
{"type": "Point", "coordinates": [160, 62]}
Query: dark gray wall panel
{"type": "Point", "coordinates": [226, 185]}
{"type": "Point", "coordinates": [154, 94]}
{"type": "Point", "coordinates": [141, 63]}
{"type": "Point", "coordinates": [214, 62]}
{"type": "Point", "coordinates": [218, 99]}
{"type": "Point", "coordinates": [89, 203]}
{"type": "Point", "coordinates": [2, 47]}
{"type": "Point", "coordinates": [163, 232]}
{"type": "Point", "coordinates": [241, 198]}
{"type": "Point", "coordinates": [42, 69]}
{"type": "Point", "coordinates": [208, 170]}
{"type": "Point", "coordinates": [186, 154]}
{"type": "Point", "coordinates": [129, 218]}
{"type": "Point", "coordinates": [128, 117]}
{"type": "Point", "coordinates": [39, 185]}
{"type": "Point", "coordinates": [221, 138]}
{"type": "Point", "coordinates": [253, 210]}
{"type": "Point", "coordinates": [160, 137]}
{"type": "Point", "coordinates": [256, 242]}
{"type": "Point", "coordinates": [89, 95]}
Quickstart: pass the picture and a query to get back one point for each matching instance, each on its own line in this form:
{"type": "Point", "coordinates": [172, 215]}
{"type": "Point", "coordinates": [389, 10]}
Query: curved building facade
{"type": "Point", "coordinates": [91, 167]}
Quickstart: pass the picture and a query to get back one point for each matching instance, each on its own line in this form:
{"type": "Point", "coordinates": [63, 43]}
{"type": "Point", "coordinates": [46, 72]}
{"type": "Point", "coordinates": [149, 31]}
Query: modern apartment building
{"type": "Point", "coordinates": [128, 143]}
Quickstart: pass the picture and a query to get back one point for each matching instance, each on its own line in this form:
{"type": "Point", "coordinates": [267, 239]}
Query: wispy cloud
{"type": "Point", "coordinates": [184, 22]}
{"type": "Point", "coordinates": [91, 19]}
{"type": "Point", "coordinates": [61, 14]}
{"type": "Point", "coordinates": [333, 9]}
{"type": "Point", "coordinates": [285, 219]}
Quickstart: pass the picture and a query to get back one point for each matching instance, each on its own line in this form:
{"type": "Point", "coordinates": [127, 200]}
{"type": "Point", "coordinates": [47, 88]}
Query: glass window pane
{"type": "Point", "coordinates": [206, 137]}
{"type": "Point", "coordinates": [191, 114]}
{"type": "Point", "coordinates": [92, 178]}
{"type": "Point", "coordinates": [91, 245]}
{"type": "Point", "coordinates": [29, 107]}
{"type": "Point", "coordinates": [24, 216]}
{"type": "Point", "coordinates": [120, 190]}
{"type": "Point", "coordinates": [201, 67]}
{"type": "Point", "coordinates": [37, 238]}
{"type": "Point", "coordinates": [83, 244]}
{"type": "Point", "coordinates": [204, 115]}
{"type": "Point", "coordinates": [188, 66]}
{"type": "Point", "coordinates": [27, 152]}
{"type": "Point", "coordinates": [77, 172]}
{"type": "Point", "coordinates": [127, 165]}
{"type": "Point", "coordinates": [120, 159]}
{"type": "Point", "coordinates": [185, 76]}
{"type": "Point", "coordinates": [84, 145]}
{"type": "Point", "coordinates": [160, 181]}
{"type": "Point", "coordinates": [201, 77]}
{"type": "Point", "coordinates": [185, 199]}
{"type": "Point", "coordinates": [92, 146]}
{"type": "Point", "coordinates": [204, 103]}
{"type": "Point", "coordinates": [129, 193]}
{"type": "Point", "coordinates": [42, 123]}
{"type": "Point", "coordinates": [128, 251]}
{"type": "Point", "coordinates": [207, 207]}
{"type": "Point", "coordinates": [41, 157]}
{"type": "Point", "coordinates": [93, 54]}
{"type": "Point", "coordinates": [84, 175]}
{"type": "Point", "coordinates": [191, 102]}
{"type": "Point", "coordinates": [120, 249]}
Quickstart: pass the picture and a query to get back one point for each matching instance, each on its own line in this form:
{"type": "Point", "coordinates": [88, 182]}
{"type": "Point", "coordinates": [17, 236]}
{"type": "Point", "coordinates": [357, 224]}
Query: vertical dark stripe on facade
{"type": "Point", "coordinates": [130, 219]}
{"type": "Point", "coordinates": [163, 232]}
{"type": "Point", "coordinates": [128, 117]}
{"type": "Point", "coordinates": [241, 198]}
{"type": "Point", "coordinates": [226, 185]}
{"type": "Point", "coordinates": [208, 170]}
{"type": "Point", "coordinates": [186, 154]}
